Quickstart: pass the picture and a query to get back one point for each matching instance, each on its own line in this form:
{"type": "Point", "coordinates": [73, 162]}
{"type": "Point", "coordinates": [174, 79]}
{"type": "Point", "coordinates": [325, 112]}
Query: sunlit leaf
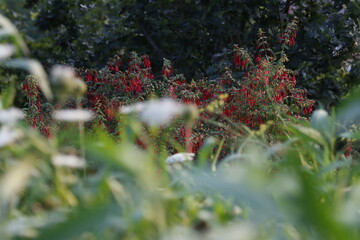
{"type": "Point", "coordinates": [14, 181]}
{"type": "Point", "coordinates": [8, 95]}
{"type": "Point", "coordinates": [9, 29]}
{"type": "Point", "coordinates": [308, 134]}
{"type": "Point", "coordinates": [35, 68]}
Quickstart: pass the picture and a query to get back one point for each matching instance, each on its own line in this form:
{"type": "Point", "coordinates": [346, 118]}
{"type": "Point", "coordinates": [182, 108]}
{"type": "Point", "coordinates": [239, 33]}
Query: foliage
{"type": "Point", "coordinates": [88, 185]}
{"type": "Point", "coordinates": [267, 93]}
{"type": "Point", "coordinates": [198, 35]}
{"type": "Point", "coordinates": [38, 115]}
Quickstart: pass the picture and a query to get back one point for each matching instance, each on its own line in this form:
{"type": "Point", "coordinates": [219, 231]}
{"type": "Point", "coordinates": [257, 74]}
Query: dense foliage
{"type": "Point", "coordinates": [266, 93]}
{"type": "Point", "coordinates": [197, 35]}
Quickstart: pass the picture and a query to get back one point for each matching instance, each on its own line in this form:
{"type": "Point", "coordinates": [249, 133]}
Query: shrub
{"type": "Point", "coordinates": [266, 92]}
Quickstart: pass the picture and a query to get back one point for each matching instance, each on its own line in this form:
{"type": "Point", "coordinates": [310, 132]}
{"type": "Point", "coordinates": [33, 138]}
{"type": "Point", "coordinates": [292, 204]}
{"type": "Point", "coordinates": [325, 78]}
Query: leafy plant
{"type": "Point", "coordinates": [80, 184]}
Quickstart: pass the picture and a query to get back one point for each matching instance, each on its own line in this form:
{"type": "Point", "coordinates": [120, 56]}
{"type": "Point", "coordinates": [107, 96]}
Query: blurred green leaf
{"type": "Point", "coordinates": [206, 150]}
{"type": "Point", "coordinates": [9, 29]}
{"type": "Point", "coordinates": [8, 94]}
{"type": "Point", "coordinates": [35, 68]}
{"type": "Point", "coordinates": [307, 134]}
{"type": "Point", "coordinates": [85, 219]}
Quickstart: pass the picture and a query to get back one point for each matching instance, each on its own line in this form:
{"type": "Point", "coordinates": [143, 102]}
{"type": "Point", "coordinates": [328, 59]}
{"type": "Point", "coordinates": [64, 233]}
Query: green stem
{"type": "Point", "coordinates": [216, 157]}
{"type": "Point", "coordinates": [81, 133]}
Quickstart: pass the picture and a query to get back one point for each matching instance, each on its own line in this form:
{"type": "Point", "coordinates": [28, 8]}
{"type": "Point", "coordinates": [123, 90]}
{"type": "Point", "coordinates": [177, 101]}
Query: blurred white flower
{"type": "Point", "coordinates": [180, 157]}
{"type": "Point", "coordinates": [61, 72]}
{"type": "Point", "coordinates": [9, 134]}
{"type": "Point", "coordinates": [161, 112]}
{"type": "Point", "coordinates": [66, 83]}
{"type": "Point", "coordinates": [135, 108]}
{"type": "Point", "coordinates": [6, 50]}
{"type": "Point", "coordinates": [73, 115]}
{"type": "Point", "coordinates": [319, 114]}
{"type": "Point", "coordinates": [320, 120]}
{"type": "Point", "coordinates": [156, 112]}
{"type": "Point", "coordinates": [11, 115]}
{"type": "Point", "coordinates": [72, 161]}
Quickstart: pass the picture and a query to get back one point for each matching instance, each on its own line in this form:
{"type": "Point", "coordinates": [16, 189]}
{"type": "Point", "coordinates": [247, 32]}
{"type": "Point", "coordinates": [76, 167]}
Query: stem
{"type": "Point", "coordinates": [213, 165]}
{"type": "Point", "coordinates": [81, 133]}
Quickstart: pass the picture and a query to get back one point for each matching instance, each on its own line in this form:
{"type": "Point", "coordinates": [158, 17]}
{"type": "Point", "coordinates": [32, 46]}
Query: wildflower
{"type": "Point", "coordinates": [113, 68]}
{"type": "Point", "coordinates": [6, 50]}
{"type": "Point", "coordinates": [180, 157]}
{"type": "Point", "coordinates": [320, 120]}
{"type": "Point", "coordinates": [65, 160]}
{"type": "Point", "coordinates": [11, 115]}
{"type": "Point", "coordinates": [146, 62]}
{"type": "Point", "coordinates": [62, 73]}
{"type": "Point", "coordinates": [289, 35]}
{"type": "Point", "coordinates": [135, 108]}
{"type": "Point", "coordinates": [241, 57]}
{"type": "Point", "coordinates": [134, 64]}
{"type": "Point", "coordinates": [161, 112]}
{"type": "Point", "coordinates": [89, 77]}
{"type": "Point", "coordinates": [237, 60]}
{"type": "Point", "coordinates": [73, 115]}
{"type": "Point", "coordinates": [156, 112]}
{"type": "Point", "coordinates": [66, 83]}
{"type": "Point", "coordinates": [167, 68]}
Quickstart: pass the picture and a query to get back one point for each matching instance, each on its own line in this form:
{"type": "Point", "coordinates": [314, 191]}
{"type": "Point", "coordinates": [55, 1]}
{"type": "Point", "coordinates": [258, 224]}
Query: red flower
{"type": "Point", "coordinates": [146, 62]}
{"type": "Point", "coordinates": [167, 69]}
{"type": "Point", "coordinates": [258, 58]}
{"type": "Point", "coordinates": [166, 72]}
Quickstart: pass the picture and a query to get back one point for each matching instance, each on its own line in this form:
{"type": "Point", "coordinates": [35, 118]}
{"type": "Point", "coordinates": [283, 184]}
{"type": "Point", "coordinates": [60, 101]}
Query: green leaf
{"type": "Point", "coordinates": [206, 150]}
{"type": "Point", "coordinates": [8, 95]}
{"type": "Point", "coordinates": [348, 110]}
{"type": "Point", "coordinates": [10, 29]}
{"type": "Point", "coordinates": [307, 134]}
{"type": "Point", "coordinates": [85, 219]}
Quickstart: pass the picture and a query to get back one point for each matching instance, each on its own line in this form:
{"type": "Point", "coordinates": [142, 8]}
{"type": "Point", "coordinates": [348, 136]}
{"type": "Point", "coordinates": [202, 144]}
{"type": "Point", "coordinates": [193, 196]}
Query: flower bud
{"type": "Point", "coordinates": [320, 121]}
{"type": "Point", "coordinates": [80, 87]}
{"type": "Point", "coordinates": [65, 83]}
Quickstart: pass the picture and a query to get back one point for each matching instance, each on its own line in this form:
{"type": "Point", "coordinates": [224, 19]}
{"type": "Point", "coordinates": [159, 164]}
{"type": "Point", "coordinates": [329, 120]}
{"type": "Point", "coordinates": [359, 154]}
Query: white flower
{"type": "Point", "coordinates": [156, 112]}
{"type": "Point", "coordinates": [320, 120]}
{"type": "Point", "coordinates": [72, 161]}
{"type": "Point", "coordinates": [135, 108]}
{"type": "Point", "coordinates": [62, 72]}
{"type": "Point", "coordinates": [6, 50]}
{"type": "Point", "coordinates": [180, 157]}
{"type": "Point", "coordinates": [11, 115]}
{"type": "Point", "coordinates": [161, 112]}
{"type": "Point", "coordinates": [8, 135]}
{"type": "Point", "coordinates": [73, 115]}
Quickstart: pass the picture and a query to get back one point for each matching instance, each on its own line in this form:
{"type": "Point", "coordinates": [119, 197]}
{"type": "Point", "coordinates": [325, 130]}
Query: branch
{"type": "Point", "coordinates": [152, 42]}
